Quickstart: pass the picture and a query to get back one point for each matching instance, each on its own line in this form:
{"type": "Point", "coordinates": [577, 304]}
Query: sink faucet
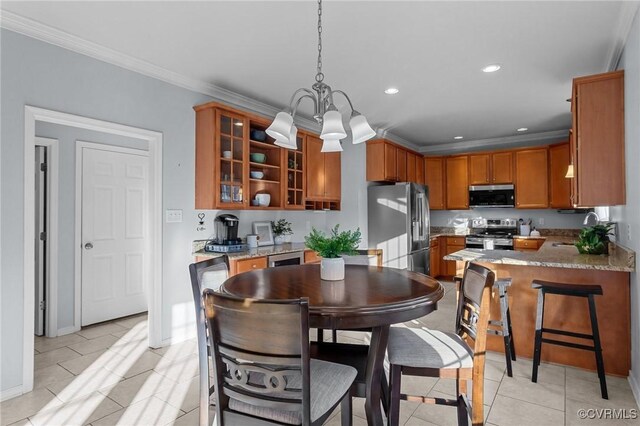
{"type": "Point", "coordinates": [594, 214]}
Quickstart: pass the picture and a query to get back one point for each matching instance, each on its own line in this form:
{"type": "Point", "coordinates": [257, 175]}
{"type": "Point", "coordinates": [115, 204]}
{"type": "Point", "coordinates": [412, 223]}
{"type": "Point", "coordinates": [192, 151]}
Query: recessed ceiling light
{"type": "Point", "coordinates": [391, 91]}
{"type": "Point", "coordinates": [522, 129]}
{"type": "Point", "coordinates": [491, 68]}
{"type": "Point", "coordinates": [459, 137]}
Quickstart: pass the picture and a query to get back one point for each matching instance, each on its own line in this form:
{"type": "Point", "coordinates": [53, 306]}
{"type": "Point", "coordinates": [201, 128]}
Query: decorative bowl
{"type": "Point", "coordinates": [258, 135]}
{"type": "Point", "coordinates": [263, 199]}
{"type": "Point", "coordinates": [226, 154]}
{"type": "Point", "coordinates": [256, 175]}
{"type": "Point", "coordinates": [258, 157]}
{"type": "Point", "coordinates": [255, 203]}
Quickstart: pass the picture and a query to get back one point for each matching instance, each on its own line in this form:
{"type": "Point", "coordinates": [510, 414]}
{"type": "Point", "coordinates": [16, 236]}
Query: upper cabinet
{"type": "Point", "coordinates": [491, 168]}
{"type": "Point", "coordinates": [388, 162]}
{"type": "Point", "coordinates": [532, 188]}
{"type": "Point", "coordinates": [559, 184]}
{"type": "Point", "coordinates": [457, 182]}
{"type": "Point", "coordinates": [434, 179]}
{"type": "Point", "coordinates": [236, 161]}
{"type": "Point", "coordinates": [597, 154]}
{"type": "Point", "coordinates": [323, 176]}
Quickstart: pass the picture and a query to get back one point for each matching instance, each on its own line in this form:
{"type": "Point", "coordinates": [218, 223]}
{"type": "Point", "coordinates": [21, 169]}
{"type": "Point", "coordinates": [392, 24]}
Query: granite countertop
{"type": "Point", "coordinates": [564, 256]}
{"type": "Point", "coordinates": [198, 250]}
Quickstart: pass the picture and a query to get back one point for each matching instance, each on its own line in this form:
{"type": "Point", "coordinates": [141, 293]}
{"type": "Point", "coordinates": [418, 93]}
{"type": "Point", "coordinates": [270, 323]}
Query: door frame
{"type": "Point", "coordinates": [77, 253]}
{"type": "Point", "coordinates": [51, 285]}
{"type": "Point", "coordinates": [31, 116]}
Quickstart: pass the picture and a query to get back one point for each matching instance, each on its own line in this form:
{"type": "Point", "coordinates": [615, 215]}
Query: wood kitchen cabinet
{"type": "Point", "coordinates": [559, 184]}
{"type": "Point", "coordinates": [491, 168]}
{"type": "Point", "coordinates": [401, 165]}
{"type": "Point", "coordinates": [527, 244]}
{"type": "Point", "coordinates": [434, 259]}
{"type": "Point", "coordinates": [243, 265]}
{"type": "Point", "coordinates": [420, 170]}
{"type": "Point", "coordinates": [411, 167]}
{"type": "Point", "coordinates": [451, 245]}
{"type": "Point", "coordinates": [598, 152]}
{"type": "Point", "coordinates": [322, 174]}
{"type": "Point", "coordinates": [434, 178]}
{"type": "Point", "coordinates": [457, 182]}
{"type": "Point", "coordinates": [532, 188]}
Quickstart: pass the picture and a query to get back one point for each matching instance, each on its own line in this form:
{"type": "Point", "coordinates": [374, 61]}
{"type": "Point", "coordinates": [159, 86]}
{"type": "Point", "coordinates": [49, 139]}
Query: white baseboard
{"type": "Point", "coordinates": [635, 387]}
{"type": "Point", "coordinates": [68, 330]}
{"type": "Point", "coordinates": [10, 393]}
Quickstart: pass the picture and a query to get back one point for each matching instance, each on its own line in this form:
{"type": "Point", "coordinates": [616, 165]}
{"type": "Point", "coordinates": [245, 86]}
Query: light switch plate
{"type": "Point", "coordinates": [173, 216]}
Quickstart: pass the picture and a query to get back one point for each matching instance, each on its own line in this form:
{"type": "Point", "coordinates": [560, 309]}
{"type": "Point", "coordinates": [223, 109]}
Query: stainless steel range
{"type": "Point", "coordinates": [492, 234]}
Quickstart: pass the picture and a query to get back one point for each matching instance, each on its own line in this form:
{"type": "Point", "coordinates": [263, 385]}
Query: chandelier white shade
{"type": "Point", "coordinates": [281, 126]}
{"type": "Point", "coordinates": [332, 127]}
{"type": "Point", "coordinates": [331, 145]}
{"type": "Point", "coordinates": [360, 129]}
{"type": "Point", "coordinates": [325, 112]}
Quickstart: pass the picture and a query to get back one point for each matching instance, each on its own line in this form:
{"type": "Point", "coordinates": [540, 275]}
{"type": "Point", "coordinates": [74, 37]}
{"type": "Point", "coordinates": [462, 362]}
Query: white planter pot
{"type": "Point", "coordinates": [332, 269]}
{"type": "Point", "coordinates": [279, 239]}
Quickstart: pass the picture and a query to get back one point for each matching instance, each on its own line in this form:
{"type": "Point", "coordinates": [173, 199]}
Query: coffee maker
{"type": "Point", "coordinates": [226, 235]}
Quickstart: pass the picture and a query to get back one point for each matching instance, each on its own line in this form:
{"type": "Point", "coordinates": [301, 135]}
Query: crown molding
{"type": "Point", "coordinates": [42, 32]}
{"type": "Point", "coordinates": [385, 134]}
{"type": "Point", "coordinates": [628, 11]}
{"type": "Point", "coordinates": [508, 141]}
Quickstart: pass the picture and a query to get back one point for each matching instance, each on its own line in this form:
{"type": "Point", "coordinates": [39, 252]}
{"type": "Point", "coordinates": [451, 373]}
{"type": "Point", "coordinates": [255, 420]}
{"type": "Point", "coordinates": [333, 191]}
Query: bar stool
{"type": "Point", "coordinates": [575, 290]}
{"type": "Point", "coordinates": [502, 327]}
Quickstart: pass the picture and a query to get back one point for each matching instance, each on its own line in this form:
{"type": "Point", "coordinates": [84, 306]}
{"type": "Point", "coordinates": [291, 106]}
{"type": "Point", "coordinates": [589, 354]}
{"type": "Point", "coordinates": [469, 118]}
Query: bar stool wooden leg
{"type": "Point", "coordinates": [598, 348]}
{"type": "Point", "coordinates": [538, 341]}
{"type": "Point", "coordinates": [504, 323]}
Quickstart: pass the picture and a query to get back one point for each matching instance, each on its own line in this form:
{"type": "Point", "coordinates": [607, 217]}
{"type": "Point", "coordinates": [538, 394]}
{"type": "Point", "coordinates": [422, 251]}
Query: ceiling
{"type": "Point", "coordinates": [431, 51]}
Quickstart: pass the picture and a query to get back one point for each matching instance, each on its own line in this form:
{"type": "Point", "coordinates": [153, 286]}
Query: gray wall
{"type": "Point", "coordinates": [628, 216]}
{"type": "Point", "coordinates": [39, 74]}
{"type": "Point", "coordinates": [67, 137]}
{"type": "Point", "coordinates": [551, 218]}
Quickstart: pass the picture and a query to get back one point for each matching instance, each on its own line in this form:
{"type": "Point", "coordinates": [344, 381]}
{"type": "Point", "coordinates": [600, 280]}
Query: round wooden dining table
{"type": "Point", "coordinates": [369, 297]}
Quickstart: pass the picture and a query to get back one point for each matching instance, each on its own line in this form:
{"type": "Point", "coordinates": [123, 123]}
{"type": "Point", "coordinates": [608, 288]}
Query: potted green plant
{"type": "Point", "coordinates": [281, 228]}
{"type": "Point", "coordinates": [331, 247]}
{"type": "Point", "coordinates": [594, 239]}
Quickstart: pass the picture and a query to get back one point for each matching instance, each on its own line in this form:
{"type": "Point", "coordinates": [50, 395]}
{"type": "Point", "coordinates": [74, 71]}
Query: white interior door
{"type": "Point", "coordinates": [115, 246]}
{"type": "Point", "coordinates": [40, 235]}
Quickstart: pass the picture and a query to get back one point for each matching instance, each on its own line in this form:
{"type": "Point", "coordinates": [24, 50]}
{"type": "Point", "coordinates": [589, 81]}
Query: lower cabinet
{"type": "Point", "coordinates": [434, 259]}
{"type": "Point", "coordinates": [527, 244]}
{"type": "Point", "coordinates": [311, 256]}
{"type": "Point", "coordinates": [243, 265]}
{"type": "Point", "coordinates": [451, 245]}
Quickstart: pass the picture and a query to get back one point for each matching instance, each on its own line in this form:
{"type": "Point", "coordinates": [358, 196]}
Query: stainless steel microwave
{"type": "Point", "coordinates": [492, 196]}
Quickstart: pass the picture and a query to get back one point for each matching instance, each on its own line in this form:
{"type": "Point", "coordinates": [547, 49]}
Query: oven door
{"type": "Point", "coordinates": [294, 258]}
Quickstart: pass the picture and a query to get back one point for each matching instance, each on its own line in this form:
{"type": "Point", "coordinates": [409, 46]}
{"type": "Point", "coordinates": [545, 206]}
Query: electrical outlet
{"type": "Point", "coordinates": [629, 231]}
{"type": "Point", "coordinates": [541, 221]}
{"type": "Point", "coordinates": [173, 216]}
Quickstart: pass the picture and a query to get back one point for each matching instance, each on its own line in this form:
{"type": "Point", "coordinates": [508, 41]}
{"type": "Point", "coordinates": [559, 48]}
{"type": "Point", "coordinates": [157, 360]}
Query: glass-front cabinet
{"type": "Point", "coordinates": [230, 155]}
{"type": "Point", "coordinates": [239, 167]}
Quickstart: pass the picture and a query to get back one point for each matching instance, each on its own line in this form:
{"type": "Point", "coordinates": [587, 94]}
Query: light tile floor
{"type": "Point", "coordinates": [106, 375]}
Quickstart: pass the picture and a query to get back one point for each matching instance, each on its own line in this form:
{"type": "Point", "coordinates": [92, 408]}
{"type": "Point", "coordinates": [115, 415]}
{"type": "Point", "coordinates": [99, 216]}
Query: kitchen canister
{"type": "Point", "coordinates": [252, 241]}
{"type": "Point", "coordinates": [525, 230]}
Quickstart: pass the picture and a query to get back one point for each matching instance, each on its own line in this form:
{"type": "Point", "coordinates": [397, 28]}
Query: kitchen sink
{"type": "Point", "coordinates": [558, 244]}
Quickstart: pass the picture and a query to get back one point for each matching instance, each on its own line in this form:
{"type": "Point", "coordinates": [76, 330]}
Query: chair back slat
{"type": "Point", "coordinates": [260, 352]}
{"type": "Point", "coordinates": [473, 304]}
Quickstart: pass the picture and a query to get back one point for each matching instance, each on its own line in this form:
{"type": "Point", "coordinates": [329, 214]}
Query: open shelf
{"type": "Point", "coordinates": [264, 180]}
{"type": "Point", "coordinates": [259, 165]}
{"type": "Point", "coordinates": [263, 145]}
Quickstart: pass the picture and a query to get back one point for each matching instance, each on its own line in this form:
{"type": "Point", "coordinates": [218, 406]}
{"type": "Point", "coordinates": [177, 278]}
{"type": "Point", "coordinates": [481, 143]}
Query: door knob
{"type": "Point", "coordinates": [88, 246]}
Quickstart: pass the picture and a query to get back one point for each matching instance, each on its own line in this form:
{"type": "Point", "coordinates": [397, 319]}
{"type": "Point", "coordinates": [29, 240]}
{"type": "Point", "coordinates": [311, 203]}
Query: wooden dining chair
{"type": "Point", "coordinates": [459, 356]}
{"type": "Point", "coordinates": [262, 370]}
{"type": "Point", "coordinates": [210, 273]}
{"type": "Point", "coordinates": [370, 257]}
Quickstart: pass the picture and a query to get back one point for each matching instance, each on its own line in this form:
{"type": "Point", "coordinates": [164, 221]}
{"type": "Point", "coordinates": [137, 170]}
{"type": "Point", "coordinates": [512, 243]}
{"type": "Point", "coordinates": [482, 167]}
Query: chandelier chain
{"type": "Point", "coordinates": [319, 75]}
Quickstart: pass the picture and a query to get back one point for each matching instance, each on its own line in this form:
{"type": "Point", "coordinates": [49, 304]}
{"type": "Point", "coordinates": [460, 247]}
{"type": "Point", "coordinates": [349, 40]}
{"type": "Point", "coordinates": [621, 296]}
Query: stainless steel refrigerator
{"type": "Point", "coordinates": [399, 225]}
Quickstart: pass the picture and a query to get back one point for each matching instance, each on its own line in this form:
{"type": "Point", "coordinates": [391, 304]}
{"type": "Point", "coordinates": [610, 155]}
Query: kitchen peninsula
{"type": "Point", "coordinates": [558, 260]}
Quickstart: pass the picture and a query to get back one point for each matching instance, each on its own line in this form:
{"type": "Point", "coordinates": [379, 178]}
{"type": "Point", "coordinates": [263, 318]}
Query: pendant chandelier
{"type": "Point", "coordinates": [284, 131]}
